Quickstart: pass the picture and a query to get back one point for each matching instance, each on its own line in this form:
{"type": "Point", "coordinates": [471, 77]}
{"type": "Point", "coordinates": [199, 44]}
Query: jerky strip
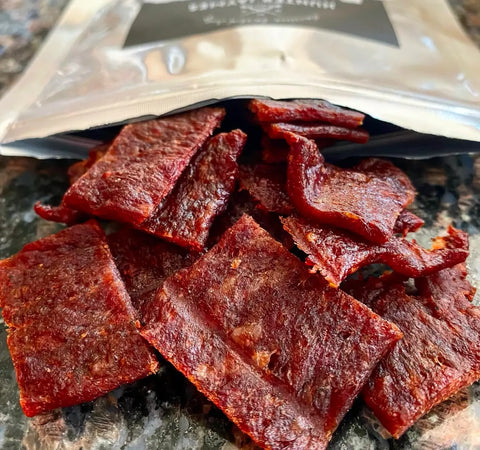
{"type": "Point", "coordinates": [76, 170]}
{"type": "Point", "coordinates": [407, 222]}
{"type": "Point", "coordinates": [306, 111]}
{"type": "Point", "coordinates": [317, 131]}
{"type": "Point", "coordinates": [267, 185]}
{"type": "Point", "coordinates": [336, 253]}
{"type": "Point", "coordinates": [72, 329]}
{"type": "Point", "coordinates": [363, 200]}
{"type": "Point", "coordinates": [439, 353]}
{"type": "Point", "coordinates": [142, 165]}
{"type": "Point", "coordinates": [145, 262]}
{"type": "Point", "coordinates": [61, 213]}
{"type": "Point", "coordinates": [201, 194]}
{"type": "Point", "coordinates": [272, 345]}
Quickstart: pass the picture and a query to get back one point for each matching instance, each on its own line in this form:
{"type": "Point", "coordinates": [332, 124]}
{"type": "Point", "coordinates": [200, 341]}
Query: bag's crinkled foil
{"type": "Point", "coordinates": [109, 61]}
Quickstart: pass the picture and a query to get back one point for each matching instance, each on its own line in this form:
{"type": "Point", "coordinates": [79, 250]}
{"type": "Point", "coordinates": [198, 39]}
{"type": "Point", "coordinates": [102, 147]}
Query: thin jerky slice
{"type": "Point", "coordinates": [407, 222]}
{"type": "Point", "coordinates": [145, 262]}
{"type": "Point", "coordinates": [336, 253]}
{"type": "Point", "coordinates": [281, 353]}
{"type": "Point", "coordinates": [363, 200]}
{"type": "Point", "coordinates": [317, 131]}
{"type": "Point", "coordinates": [266, 183]}
{"type": "Point", "coordinates": [72, 329]}
{"type": "Point", "coordinates": [142, 165]}
{"type": "Point", "coordinates": [438, 355]}
{"type": "Point", "coordinates": [201, 193]}
{"type": "Point", "coordinates": [76, 170]}
{"type": "Point", "coordinates": [61, 213]}
{"type": "Point", "coordinates": [306, 111]}
{"type": "Point", "coordinates": [275, 151]}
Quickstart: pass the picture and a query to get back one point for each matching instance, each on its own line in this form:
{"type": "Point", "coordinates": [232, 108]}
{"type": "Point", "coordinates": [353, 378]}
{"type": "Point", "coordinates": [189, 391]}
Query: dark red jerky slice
{"type": "Point", "coordinates": [72, 329]}
{"type": "Point", "coordinates": [76, 170]}
{"type": "Point", "coordinates": [364, 203]}
{"type": "Point", "coordinates": [336, 253]}
{"type": "Point", "coordinates": [145, 262]}
{"type": "Point", "coordinates": [438, 355]}
{"type": "Point", "coordinates": [316, 131]}
{"type": "Point", "coordinates": [201, 194]}
{"type": "Point", "coordinates": [241, 203]}
{"type": "Point", "coordinates": [142, 165]}
{"type": "Point", "coordinates": [274, 151]}
{"type": "Point", "coordinates": [306, 111]}
{"type": "Point", "coordinates": [61, 213]}
{"type": "Point", "coordinates": [266, 183]}
{"type": "Point", "coordinates": [407, 222]}
{"type": "Point", "coordinates": [280, 352]}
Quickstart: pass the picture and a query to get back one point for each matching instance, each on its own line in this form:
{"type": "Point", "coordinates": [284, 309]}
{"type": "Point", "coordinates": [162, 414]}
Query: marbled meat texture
{"type": "Point", "coordinates": [305, 111]}
{"type": "Point", "coordinates": [72, 330]}
{"type": "Point", "coordinates": [280, 352]}
{"type": "Point", "coordinates": [317, 131]}
{"type": "Point", "coordinates": [366, 199]}
{"type": "Point", "coordinates": [336, 253]}
{"type": "Point", "coordinates": [186, 215]}
{"type": "Point", "coordinates": [266, 183]}
{"type": "Point", "coordinates": [144, 262]}
{"type": "Point", "coordinates": [439, 353]}
{"type": "Point", "coordinates": [141, 166]}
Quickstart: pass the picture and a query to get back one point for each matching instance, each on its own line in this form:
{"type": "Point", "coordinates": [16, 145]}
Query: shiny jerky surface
{"type": "Point", "coordinates": [165, 411]}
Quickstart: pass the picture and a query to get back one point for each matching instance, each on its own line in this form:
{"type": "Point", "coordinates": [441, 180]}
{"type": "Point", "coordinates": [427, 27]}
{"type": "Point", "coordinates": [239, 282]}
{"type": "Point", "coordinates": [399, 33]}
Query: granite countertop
{"type": "Point", "coordinates": [25, 23]}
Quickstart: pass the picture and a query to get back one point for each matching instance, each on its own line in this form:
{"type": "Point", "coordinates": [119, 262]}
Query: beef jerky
{"type": "Point", "coordinates": [72, 330]}
{"type": "Point", "coordinates": [438, 355]}
{"type": "Point", "coordinates": [316, 131]}
{"type": "Point", "coordinates": [61, 213]}
{"type": "Point", "coordinates": [306, 111]}
{"type": "Point", "coordinates": [360, 200]}
{"type": "Point", "coordinates": [141, 166]}
{"type": "Point", "coordinates": [275, 151]}
{"type": "Point", "coordinates": [336, 253]}
{"type": "Point", "coordinates": [76, 170]}
{"type": "Point", "coordinates": [201, 194]}
{"type": "Point", "coordinates": [266, 183]}
{"type": "Point", "coordinates": [407, 222]}
{"type": "Point", "coordinates": [145, 262]}
{"type": "Point", "coordinates": [241, 203]}
{"type": "Point", "coordinates": [281, 353]}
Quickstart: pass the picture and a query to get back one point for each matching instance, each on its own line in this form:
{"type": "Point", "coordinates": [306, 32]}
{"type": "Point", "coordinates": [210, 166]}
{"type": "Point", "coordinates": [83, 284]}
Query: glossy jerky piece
{"type": "Point", "coordinates": [361, 201]}
{"type": "Point", "coordinates": [186, 215]}
{"type": "Point", "coordinates": [317, 131]}
{"type": "Point", "coordinates": [336, 253]}
{"type": "Point", "coordinates": [280, 352]}
{"type": "Point", "coordinates": [76, 170]}
{"type": "Point", "coordinates": [61, 213]}
{"type": "Point", "coordinates": [274, 151]}
{"type": "Point", "coordinates": [144, 262]}
{"type": "Point", "coordinates": [72, 329]}
{"type": "Point", "coordinates": [407, 222]}
{"type": "Point", "coordinates": [142, 165]}
{"type": "Point", "coordinates": [306, 111]}
{"type": "Point", "coordinates": [266, 183]}
{"type": "Point", "coordinates": [438, 355]}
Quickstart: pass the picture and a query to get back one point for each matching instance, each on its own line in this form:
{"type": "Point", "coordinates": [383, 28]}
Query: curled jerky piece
{"type": "Point", "coordinates": [61, 213]}
{"type": "Point", "coordinates": [72, 330]}
{"type": "Point", "coordinates": [316, 131]}
{"type": "Point", "coordinates": [266, 183]}
{"type": "Point", "coordinates": [142, 165]}
{"type": "Point", "coordinates": [145, 262]}
{"type": "Point", "coordinates": [280, 352]}
{"type": "Point", "coordinates": [407, 222]}
{"type": "Point", "coordinates": [201, 194]}
{"type": "Point", "coordinates": [336, 253]}
{"type": "Point", "coordinates": [439, 353]}
{"type": "Point", "coordinates": [306, 111]}
{"type": "Point", "coordinates": [366, 199]}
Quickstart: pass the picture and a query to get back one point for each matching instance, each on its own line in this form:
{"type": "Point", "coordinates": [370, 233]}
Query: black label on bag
{"type": "Point", "coordinates": [173, 20]}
